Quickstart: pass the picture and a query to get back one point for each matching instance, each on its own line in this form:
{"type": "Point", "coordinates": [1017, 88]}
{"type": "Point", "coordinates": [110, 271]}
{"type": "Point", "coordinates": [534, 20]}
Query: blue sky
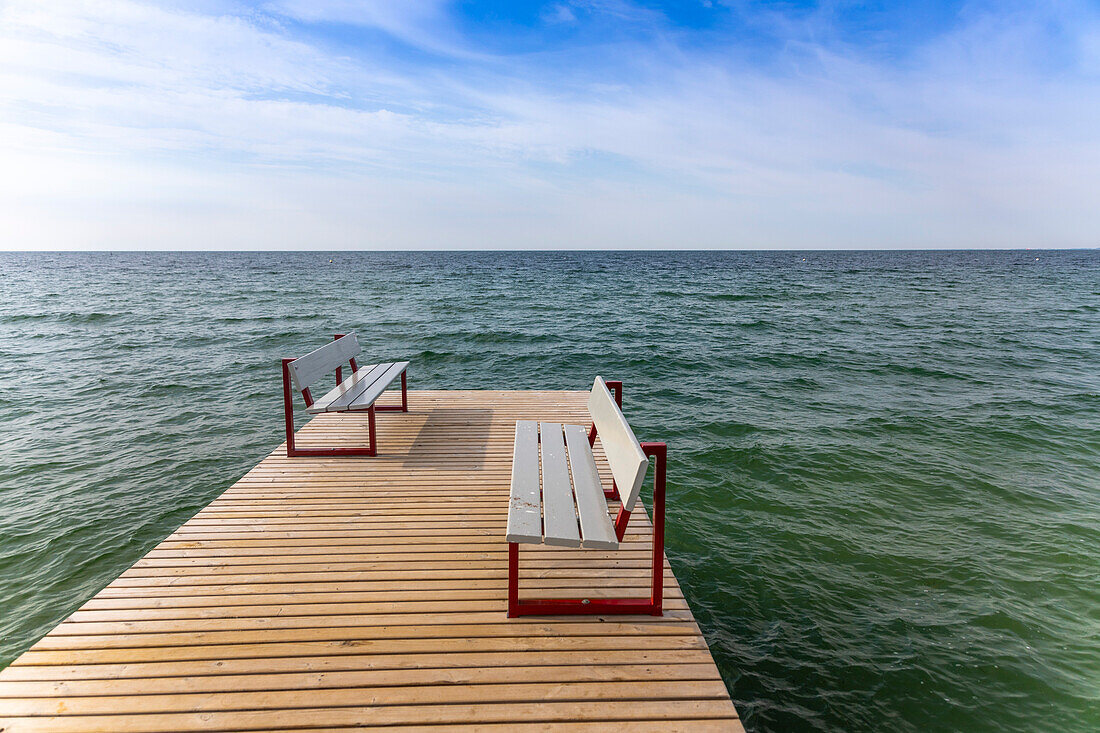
{"type": "Point", "coordinates": [424, 124]}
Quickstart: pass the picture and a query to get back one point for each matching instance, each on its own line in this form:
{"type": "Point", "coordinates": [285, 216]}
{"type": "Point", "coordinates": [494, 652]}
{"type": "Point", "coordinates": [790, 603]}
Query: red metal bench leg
{"type": "Point", "coordinates": [370, 429]}
{"type": "Point", "coordinates": [288, 408]}
{"type": "Point", "coordinates": [660, 451]}
{"type": "Point", "coordinates": [513, 579]}
{"type": "Point", "coordinates": [621, 520]}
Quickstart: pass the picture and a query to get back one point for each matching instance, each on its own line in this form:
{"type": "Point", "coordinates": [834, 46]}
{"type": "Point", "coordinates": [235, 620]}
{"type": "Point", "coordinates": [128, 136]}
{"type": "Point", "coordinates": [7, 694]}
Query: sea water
{"type": "Point", "coordinates": [884, 486]}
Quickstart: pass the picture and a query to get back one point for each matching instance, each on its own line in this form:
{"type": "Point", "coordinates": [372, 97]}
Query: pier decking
{"type": "Point", "coordinates": [329, 593]}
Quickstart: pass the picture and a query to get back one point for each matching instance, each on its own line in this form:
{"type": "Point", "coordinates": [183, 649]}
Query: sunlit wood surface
{"type": "Point", "coordinates": [329, 593]}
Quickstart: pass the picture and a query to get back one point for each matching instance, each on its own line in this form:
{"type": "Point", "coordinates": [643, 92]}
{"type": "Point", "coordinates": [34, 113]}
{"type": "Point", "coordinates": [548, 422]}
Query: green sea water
{"type": "Point", "coordinates": [884, 489]}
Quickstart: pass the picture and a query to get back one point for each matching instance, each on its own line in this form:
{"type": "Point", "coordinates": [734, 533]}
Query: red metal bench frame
{"type": "Point", "coordinates": [288, 414]}
{"type": "Point", "coordinates": [606, 606]}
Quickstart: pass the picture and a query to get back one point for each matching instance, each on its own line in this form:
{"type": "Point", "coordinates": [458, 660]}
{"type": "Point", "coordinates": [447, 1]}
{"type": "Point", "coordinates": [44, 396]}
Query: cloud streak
{"type": "Point", "coordinates": [383, 125]}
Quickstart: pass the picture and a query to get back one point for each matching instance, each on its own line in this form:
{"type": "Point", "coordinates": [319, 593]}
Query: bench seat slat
{"type": "Point", "coordinates": [375, 390]}
{"type": "Point", "coordinates": [351, 387]}
{"type": "Point", "coordinates": [560, 521]}
{"type": "Point", "coordinates": [596, 528]}
{"type": "Point", "coordinates": [369, 378]}
{"type": "Point", "coordinates": [525, 505]}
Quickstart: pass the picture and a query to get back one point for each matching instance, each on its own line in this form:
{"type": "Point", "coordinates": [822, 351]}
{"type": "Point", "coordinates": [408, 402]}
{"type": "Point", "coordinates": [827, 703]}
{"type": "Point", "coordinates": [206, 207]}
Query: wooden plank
{"type": "Point", "coordinates": [374, 391]}
{"type": "Point", "coordinates": [597, 531]}
{"type": "Point", "coordinates": [349, 389]}
{"type": "Point", "coordinates": [426, 712]}
{"type": "Point", "coordinates": [327, 594]}
{"type": "Point", "coordinates": [636, 643]}
{"type": "Point", "coordinates": [515, 691]}
{"type": "Point", "coordinates": [306, 370]}
{"type": "Point", "coordinates": [525, 504]}
{"type": "Point", "coordinates": [661, 659]}
{"type": "Point", "coordinates": [396, 677]}
{"type": "Point", "coordinates": [560, 516]}
{"type": "Point", "coordinates": [624, 455]}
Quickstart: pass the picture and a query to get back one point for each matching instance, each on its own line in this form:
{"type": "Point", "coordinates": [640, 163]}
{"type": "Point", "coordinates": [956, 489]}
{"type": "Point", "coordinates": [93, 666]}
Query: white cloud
{"type": "Point", "coordinates": [129, 125]}
{"type": "Point", "coordinates": [424, 24]}
{"type": "Point", "coordinates": [559, 13]}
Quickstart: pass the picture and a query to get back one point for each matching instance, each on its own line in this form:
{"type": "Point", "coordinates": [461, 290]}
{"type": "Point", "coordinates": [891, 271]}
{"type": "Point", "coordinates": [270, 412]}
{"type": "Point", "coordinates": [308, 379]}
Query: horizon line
{"type": "Point", "coordinates": [548, 250]}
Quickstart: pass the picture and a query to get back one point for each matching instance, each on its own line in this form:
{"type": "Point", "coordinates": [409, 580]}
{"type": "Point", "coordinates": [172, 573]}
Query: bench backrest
{"type": "Point", "coordinates": [624, 454]}
{"type": "Point", "coordinates": [316, 364]}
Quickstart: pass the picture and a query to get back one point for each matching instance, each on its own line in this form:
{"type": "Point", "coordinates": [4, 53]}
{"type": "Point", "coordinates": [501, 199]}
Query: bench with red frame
{"type": "Point", "coordinates": [560, 500]}
{"type": "Point", "coordinates": [357, 393]}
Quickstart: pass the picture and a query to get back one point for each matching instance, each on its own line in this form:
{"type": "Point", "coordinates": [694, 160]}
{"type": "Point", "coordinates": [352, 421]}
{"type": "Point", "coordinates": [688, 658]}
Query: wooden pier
{"type": "Point", "coordinates": [335, 593]}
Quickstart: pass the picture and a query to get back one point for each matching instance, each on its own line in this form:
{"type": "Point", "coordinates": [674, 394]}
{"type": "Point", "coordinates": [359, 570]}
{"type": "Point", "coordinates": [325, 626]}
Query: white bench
{"type": "Point", "coordinates": [558, 499]}
{"type": "Point", "coordinates": [357, 393]}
